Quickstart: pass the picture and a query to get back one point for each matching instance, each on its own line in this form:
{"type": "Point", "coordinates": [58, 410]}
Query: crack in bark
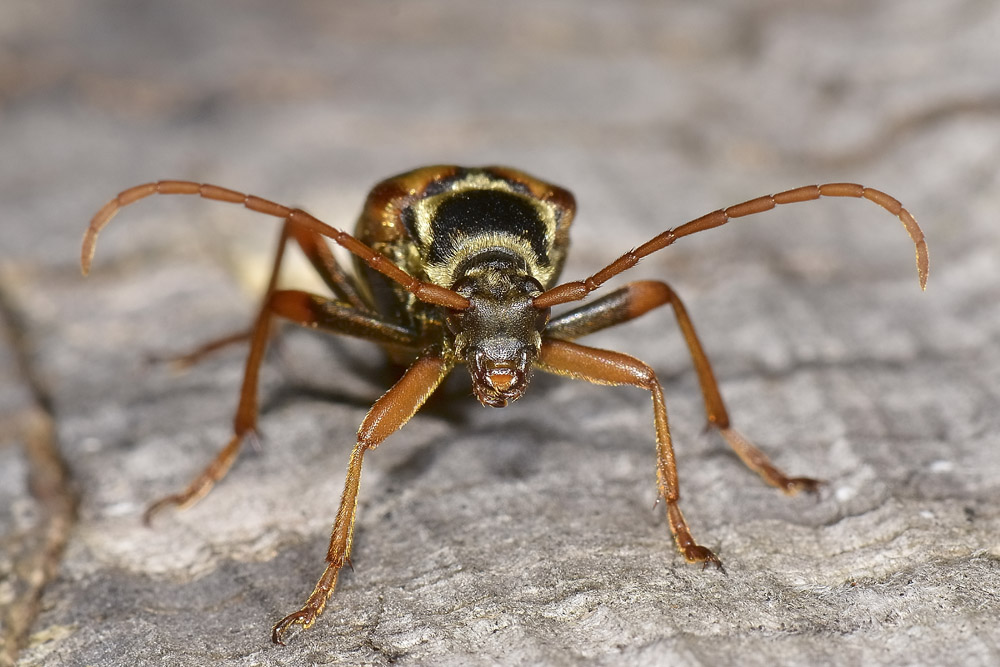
{"type": "Point", "coordinates": [36, 563]}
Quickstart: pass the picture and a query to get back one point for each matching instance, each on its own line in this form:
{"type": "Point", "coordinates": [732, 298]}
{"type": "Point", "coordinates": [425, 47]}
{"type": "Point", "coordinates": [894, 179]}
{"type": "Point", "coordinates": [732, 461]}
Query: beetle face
{"type": "Point", "coordinates": [499, 334]}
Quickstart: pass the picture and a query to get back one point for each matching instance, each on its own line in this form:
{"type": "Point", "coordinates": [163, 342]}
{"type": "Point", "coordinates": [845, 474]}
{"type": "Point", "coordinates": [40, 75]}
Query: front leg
{"type": "Point", "coordinates": [388, 415]}
{"type": "Point", "coordinates": [615, 368]}
{"type": "Point", "coordinates": [308, 310]}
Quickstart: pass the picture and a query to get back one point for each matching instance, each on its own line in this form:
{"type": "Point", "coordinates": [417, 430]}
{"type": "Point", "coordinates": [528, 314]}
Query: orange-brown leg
{"type": "Point", "coordinates": [307, 310]}
{"type": "Point", "coordinates": [318, 253]}
{"type": "Point", "coordinates": [640, 297]}
{"type": "Point", "coordinates": [388, 415]}
{"type": "Point", "coordinates": [244, 423]}
{"type": "Point", "coordinates": [245, 420]}
{"type": "Point", "coordinates": [613, 368]}
{"type": "Point", "coordinates": [184, 361]}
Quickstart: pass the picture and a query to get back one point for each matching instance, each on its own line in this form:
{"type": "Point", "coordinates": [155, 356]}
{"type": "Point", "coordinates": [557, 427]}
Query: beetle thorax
{"type": "Point", "coordinates": [500, 333]}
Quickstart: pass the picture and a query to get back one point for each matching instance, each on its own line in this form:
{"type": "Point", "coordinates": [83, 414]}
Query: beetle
{"type": "Point", "coordinates": [459, 266]}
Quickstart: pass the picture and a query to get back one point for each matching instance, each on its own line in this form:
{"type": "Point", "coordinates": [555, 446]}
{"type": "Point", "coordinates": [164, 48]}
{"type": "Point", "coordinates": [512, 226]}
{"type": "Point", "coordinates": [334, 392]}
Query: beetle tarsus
{"type": "Point", "coordinates": [809, 485]}
{"type": "Point", "coordinates": [161, 504]}
{"type": "Point", "coordinates": [303, 617]}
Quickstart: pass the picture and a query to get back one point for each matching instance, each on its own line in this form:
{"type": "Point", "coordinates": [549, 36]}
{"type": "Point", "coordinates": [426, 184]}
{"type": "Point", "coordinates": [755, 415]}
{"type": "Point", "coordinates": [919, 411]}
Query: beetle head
{"type": "Point", "coordinates": [500, 333]}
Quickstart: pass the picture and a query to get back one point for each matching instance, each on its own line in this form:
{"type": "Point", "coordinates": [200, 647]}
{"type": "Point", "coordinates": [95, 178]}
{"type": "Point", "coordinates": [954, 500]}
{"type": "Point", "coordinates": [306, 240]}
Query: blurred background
{"type": "Point", "coordinates": [652, 113]}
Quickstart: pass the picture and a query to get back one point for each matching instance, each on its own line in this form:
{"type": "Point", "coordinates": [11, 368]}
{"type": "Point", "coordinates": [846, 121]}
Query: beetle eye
{"type": "Point", "coordinates": [532, 286]}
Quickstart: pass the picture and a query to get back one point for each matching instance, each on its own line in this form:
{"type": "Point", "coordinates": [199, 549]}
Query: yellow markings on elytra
{"type": "Point", "coordinates": [443, 272]}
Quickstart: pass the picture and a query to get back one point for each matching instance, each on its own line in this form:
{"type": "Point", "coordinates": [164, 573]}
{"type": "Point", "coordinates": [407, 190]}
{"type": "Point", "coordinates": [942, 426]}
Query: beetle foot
{"type": "Point", "coordinates": [695, 553]}
{"type": "Point", "coordinates": [793, 485]}
{"type": "Point", "coordinates": [313, 607]}
{"type": "Point", "coordinates": [174, 499]}
{"type": "Point", "coordinates": [304, 617]}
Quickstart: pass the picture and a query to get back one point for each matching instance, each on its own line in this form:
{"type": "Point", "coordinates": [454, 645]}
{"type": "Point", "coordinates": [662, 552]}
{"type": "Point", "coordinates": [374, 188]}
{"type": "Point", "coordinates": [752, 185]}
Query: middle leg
{"type": "Point", "coordinates": [326, 266]}
{"type": "Point", "coordinates": [639, 298]}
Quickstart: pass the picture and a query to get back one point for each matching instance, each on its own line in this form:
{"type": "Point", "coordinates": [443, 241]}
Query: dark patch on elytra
{"type": "Point", "coordinates": [469, 214]}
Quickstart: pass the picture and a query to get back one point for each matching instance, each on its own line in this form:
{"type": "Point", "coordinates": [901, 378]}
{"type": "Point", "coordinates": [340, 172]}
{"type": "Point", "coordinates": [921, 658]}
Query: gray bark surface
{"type": "Point", "coordinates": [523, 535]}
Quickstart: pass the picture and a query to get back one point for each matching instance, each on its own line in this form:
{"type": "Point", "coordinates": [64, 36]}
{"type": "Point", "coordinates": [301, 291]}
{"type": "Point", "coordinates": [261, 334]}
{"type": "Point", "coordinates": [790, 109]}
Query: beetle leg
{"type": "Point", "coordinates": [387, 415]}
{"type": "Point", "coordinates": [638, 298]}
{"type": "Point", "coordinates": [614, 368]}
{"type": "Point", "coordinates": [184, 361]}
{"type": "Point", "coordinates": [322, 260]}
{"type": "Point", "coordinates": [319, 312]}
{"type": "Point", "coordinates": [624, 304]}
{"type": "Point", "coordinates": [308, 310]}
{"type": "Point", "coordinates": [319, 255]}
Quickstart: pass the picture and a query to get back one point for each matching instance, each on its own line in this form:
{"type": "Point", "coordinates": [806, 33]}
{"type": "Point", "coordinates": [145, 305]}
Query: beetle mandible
{"type": "Point", "coordinates": [458, 266]}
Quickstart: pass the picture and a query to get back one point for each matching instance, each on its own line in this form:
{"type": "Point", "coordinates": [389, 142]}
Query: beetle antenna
{"type": "Point", "coordinates": [576, 290]}
{"type": "Point", "coordinates": [427, 292]}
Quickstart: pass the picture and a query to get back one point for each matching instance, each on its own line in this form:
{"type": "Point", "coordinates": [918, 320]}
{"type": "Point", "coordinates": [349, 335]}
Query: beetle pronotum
{"type": "Point", "coordinates": [459, 266]}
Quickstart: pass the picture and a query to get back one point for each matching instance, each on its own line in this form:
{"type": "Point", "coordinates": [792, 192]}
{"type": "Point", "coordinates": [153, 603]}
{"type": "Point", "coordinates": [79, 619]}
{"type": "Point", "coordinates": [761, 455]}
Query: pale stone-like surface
{"type": "Point", "coordinates": [524, 535]}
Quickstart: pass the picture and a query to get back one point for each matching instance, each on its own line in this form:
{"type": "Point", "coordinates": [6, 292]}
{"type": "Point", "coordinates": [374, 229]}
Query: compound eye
{"type": "Point", "coordinates": [532, 287]}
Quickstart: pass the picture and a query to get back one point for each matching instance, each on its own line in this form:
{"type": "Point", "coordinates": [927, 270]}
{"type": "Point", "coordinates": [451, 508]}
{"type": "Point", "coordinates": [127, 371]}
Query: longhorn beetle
{"type": "Point", "coordinates": [457, 266]}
